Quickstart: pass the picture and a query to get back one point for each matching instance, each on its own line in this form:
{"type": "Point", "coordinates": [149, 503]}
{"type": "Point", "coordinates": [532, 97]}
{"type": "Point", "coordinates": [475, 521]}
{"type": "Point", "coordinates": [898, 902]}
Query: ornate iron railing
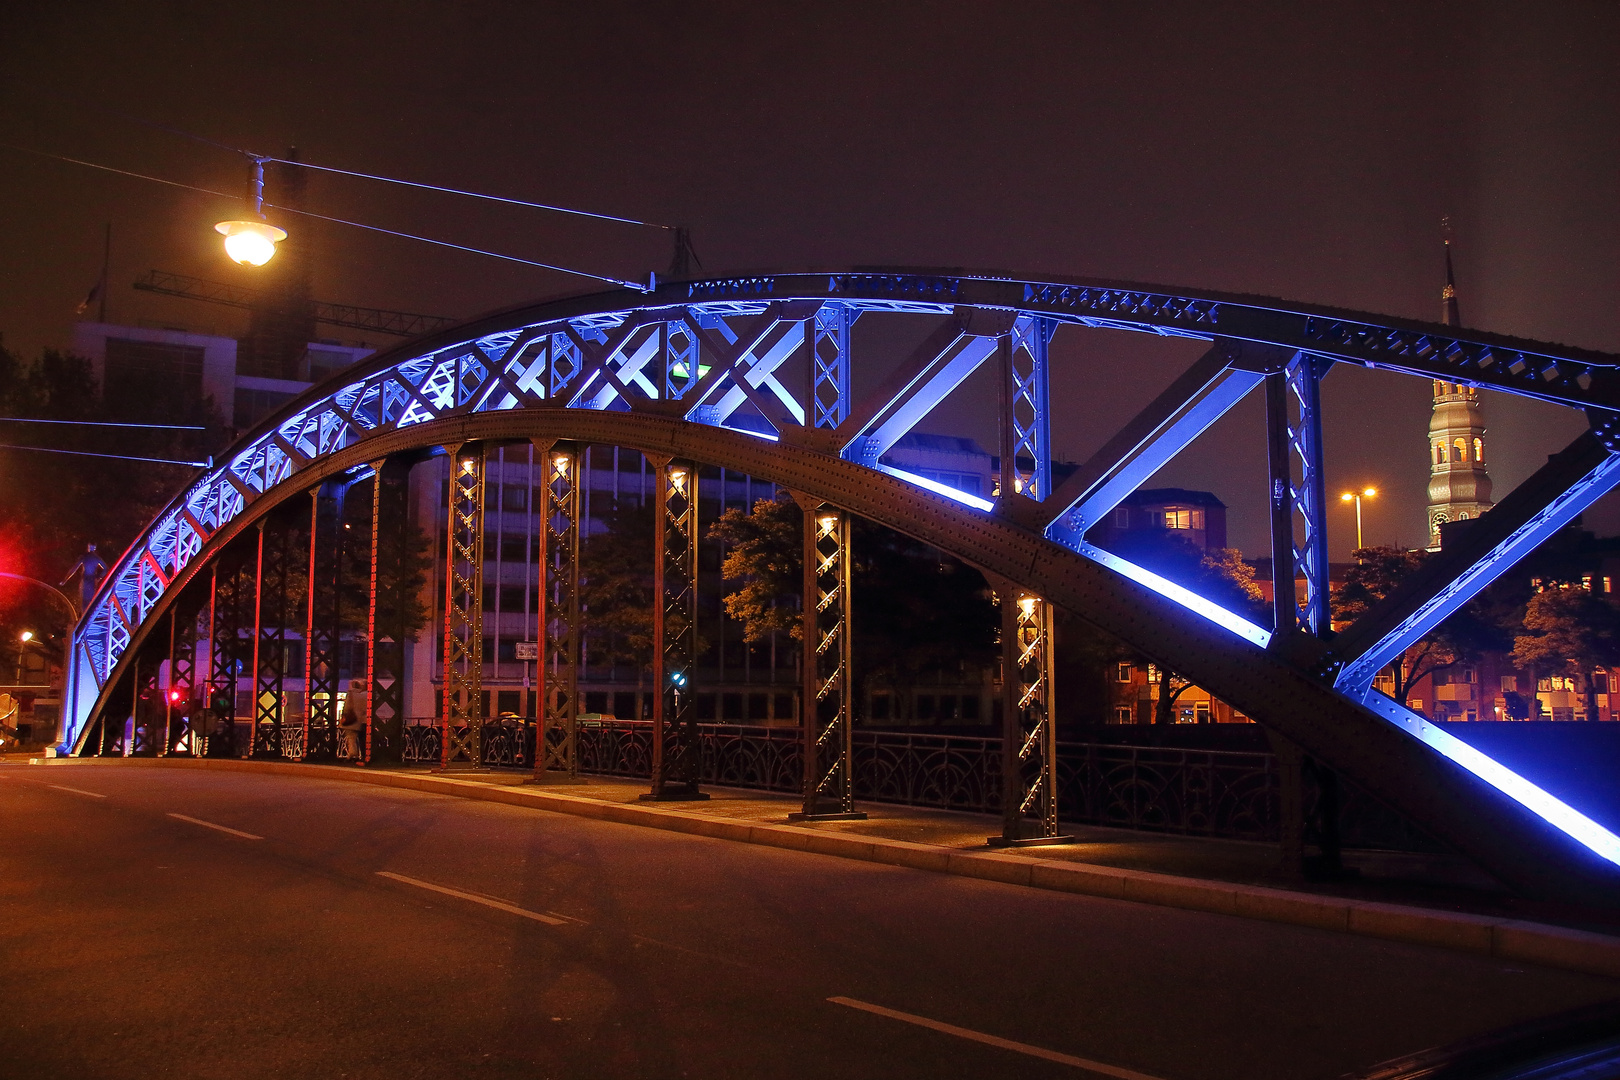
{"type": "Point", "coordinates": [1215, 793]}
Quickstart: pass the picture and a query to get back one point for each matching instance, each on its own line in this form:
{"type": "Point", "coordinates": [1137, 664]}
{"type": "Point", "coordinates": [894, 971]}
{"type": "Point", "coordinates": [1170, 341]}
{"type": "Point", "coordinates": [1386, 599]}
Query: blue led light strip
{"type": "Point", "coordinates": [1229, 620]}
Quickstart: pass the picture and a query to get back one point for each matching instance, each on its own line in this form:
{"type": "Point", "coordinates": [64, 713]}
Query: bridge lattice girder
{"type": "Point", "coordinates": [595, 369]}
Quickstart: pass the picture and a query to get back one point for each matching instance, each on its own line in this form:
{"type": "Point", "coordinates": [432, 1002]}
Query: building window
{"type": "Point", "coordinates": [1439, 453]}
{"type": "Point", "coordinates": [1122, 517]}
{"type": "Point", "coordinates": [1176, 518]}
{"type": "Point", "coordinates": [1122, 715]}
{"type": "Point", "coordinates": [1479, 451]}
{"type": "Point", "coordinates": [1459, 449]}
{"type": "Point", "coordinates": [1510, 684]}
{"type": "Point", "coordinates": [1201, 712]}
{"type": "Point", "coordinates": [1123, 672]}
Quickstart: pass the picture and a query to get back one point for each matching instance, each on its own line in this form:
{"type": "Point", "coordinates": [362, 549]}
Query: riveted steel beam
{"type": "Point", "coordinates": [556, 755]}
{"type": "Point", "coordinates": [1185, 410]}
{"type": "Point", "coordinates": [270, 613]}
{"type": "Point", "coordinates": [321, 629]}
{"type": "Point", "coordinates": [385, 610]}
{"type": "Point", "coordinates": [826, 694]}
{"type": "Point", "coordinates": [461, 716]}
{"type": "Point", "coordinates": [677, 765]}
{"type": "Point", "coordinates": [1028, 731]}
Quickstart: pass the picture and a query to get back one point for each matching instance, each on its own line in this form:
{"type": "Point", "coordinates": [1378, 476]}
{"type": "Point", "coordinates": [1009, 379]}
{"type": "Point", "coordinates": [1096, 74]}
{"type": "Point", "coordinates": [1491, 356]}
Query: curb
{"type": "Point", "coordinates": [1506, 939]}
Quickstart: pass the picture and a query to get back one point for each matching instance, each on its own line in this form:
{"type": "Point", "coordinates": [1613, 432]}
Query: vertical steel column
{"type": "Point", "coordinates": [180, 698]}
{"type": "Point", "coordinates": [1026, 442]}
{"type": "Point", "coordinates": [321, 629]}
{"type": "Point", "coordinates": [1028, 733]}
{"type": "Point", "coordinates": [827, 335]}
{"type": "Point", "coordinates": [1285, 607]}
{"type": "Point", "coordinates": [224, 649]}
{"type": "Point", "coordinates": [558, 666]}
{"type": "Point", "coordinates": [677, 764]}
{"type": "Point", "coordinates": [385, 610]}
{"type": "Point", "coordinates": [826, 700]}
{"type": "Point", "coordinates": [1310, 495]}
{"type": "Point", "coordinates": [269, 640]}
{"type": "Point", "coordinates": [461, 738]}
{"type": "Point", "coordinates": [147, 713]}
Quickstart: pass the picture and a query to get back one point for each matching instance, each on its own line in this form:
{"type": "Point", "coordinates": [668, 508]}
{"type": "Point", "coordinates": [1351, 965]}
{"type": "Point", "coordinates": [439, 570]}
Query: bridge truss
{"type": "Point", "coordinates": [755, 374]}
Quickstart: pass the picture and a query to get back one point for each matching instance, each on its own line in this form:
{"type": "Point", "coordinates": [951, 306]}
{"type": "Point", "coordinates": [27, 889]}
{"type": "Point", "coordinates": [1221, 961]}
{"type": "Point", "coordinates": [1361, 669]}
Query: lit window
{"type": "Point", "coordinates": [1607, 584]}
{"type": "Point", "coordinates": [1183, 519]}
{"type": "Point", "coordinates": [1459, 449]}
{"type": "Point", "coordinates": [1510, 684]}
{"type": "Point", "coordinates": [1586, 582]}
{"type": "Point", "coordinates": [1479, 451]}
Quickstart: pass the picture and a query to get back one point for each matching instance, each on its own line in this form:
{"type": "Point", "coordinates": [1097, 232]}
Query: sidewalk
{"type": "Point", "coordinates": [1441, 901]}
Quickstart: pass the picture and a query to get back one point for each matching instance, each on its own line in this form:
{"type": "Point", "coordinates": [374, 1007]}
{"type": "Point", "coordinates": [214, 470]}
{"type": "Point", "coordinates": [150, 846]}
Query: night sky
{"type": "Point", "coordinates": [1301, 151]}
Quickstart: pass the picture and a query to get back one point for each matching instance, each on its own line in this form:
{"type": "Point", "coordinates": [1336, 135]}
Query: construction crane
{"type": "Point", "coordinates": [377, 320]}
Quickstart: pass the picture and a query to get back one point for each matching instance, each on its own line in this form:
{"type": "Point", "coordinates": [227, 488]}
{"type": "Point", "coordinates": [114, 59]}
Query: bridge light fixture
{"type": "Point", "coordinates": [252, 242]}
{"type": "Point", "coordinates": [467, 465]}
{"type": "Point", "coordinates": [1026, 604]}
{"type": "Point", "coordinates": [560, 463]}
{"type": "Point", "coordinates": [26, 636]}
{"type": "Point", "coordinates": [677, 480]}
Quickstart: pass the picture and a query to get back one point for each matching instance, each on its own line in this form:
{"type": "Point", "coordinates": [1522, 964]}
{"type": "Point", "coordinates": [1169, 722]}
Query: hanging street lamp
{"type": "Point", "coordinates": [252, 242]}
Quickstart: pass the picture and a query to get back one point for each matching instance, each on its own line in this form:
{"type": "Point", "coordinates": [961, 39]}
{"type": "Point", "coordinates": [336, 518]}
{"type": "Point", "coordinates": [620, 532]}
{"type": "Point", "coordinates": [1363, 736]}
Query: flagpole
{"type": "Point", "coordinates": [106, 262]}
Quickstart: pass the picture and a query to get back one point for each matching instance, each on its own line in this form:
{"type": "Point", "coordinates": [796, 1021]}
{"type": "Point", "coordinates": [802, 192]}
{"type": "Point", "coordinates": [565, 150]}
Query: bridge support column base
{"type": "Point", "coordinates": [675, 794]}
{"type": "Point", "coordinates": [1028, 841]}
{"type": "Point", "coordinates": [852, 815]}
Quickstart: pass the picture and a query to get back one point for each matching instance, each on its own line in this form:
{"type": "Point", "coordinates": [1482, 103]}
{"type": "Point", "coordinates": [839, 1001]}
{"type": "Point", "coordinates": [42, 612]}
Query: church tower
{"type": "Point", "coordinates": [1459, 486]}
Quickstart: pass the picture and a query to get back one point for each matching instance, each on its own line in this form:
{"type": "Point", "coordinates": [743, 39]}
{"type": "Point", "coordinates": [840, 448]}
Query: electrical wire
{"type": "Point", "coordinates": [100, 423]}
{"type": "Point", "coordinates": [118, 457]}
{"type": "Point", "coordinates": [395, 180]}
{"type": "Point", "coordinates": [638, 286]}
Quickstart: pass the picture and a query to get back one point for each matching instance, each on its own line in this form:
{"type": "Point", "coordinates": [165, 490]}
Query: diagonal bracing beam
{"type": "Point", "coordinates": [1550, 499]}
{"type": "Point", "coordinates": [1213, 384]}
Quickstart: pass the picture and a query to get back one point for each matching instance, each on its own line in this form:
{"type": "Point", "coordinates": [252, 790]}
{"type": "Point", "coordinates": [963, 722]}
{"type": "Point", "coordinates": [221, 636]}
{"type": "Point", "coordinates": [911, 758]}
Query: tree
{"type": "Point", "coordinates": [765, 552]}
{"type": "Point", "coordinates": [1467, 633]}
{"type": "Point", "coordinates": [1571, 630]}
{"type": "Point", "coordinates": [915, 609]}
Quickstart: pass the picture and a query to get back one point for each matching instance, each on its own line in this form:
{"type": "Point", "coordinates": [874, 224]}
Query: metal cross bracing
{"type": "Point", "coordinates": [676, 753]}
{"type": "Point", "coordinates": [618, 369]}
{"type": "Point", "coordinates": [1298, 497]}
{"type": "Point", "coordinates": [826, 696]}
{"type": "Point", "coordinates": [385, 610]}
{"type": "Point", "coordinates": [1026, 423]}
{"type": "Point", "coordinates": [827, 338]}
{"type": "Point", "coordinates": [321, 627]}
{"type": "Point", "coordinates": [181, 714]}
{"type": "Point", "coordinates": [462, 629]}
{"type": "Point", "coordinates": [270, 734]}
{"type": "Point", "coordinates": [227, 589]}
{"type": "Point", "coordinates": [1028, 731]}
{"type": "Point", "coordinates": [557, 725]}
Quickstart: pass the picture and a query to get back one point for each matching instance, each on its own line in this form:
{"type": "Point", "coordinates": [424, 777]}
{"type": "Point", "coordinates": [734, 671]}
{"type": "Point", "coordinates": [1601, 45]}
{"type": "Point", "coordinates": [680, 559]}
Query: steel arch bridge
{"type": "Point", "coordinates": [754, 374]}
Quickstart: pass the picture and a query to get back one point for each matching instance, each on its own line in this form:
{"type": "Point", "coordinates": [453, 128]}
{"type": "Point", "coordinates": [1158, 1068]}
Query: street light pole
{"type": "Point", "coordinates": [1357, 496]}
{"type": "Point", "coordinates": [73, 612]}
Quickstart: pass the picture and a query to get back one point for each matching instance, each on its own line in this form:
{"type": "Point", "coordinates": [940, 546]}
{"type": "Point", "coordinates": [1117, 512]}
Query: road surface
{"type": "Point", "coordinates": [161, 922]}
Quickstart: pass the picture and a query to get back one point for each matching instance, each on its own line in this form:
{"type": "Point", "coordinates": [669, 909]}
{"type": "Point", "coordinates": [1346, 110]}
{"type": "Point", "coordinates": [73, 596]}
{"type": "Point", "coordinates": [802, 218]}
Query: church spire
{"type": "Point", "coordinates": [1448, 295]}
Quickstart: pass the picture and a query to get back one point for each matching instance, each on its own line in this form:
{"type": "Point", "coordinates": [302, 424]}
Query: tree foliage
{"type": "Point", "coordinates": [1569, 630]}
{"type": "Point", "coordinates": [765, 554]}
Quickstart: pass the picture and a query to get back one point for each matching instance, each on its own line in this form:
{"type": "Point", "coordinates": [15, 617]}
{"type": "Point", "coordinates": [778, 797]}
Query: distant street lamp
{"type": "Point", "coordinates": [1357, 496]}
{"type": "Point", "coordinates": [252, 243]}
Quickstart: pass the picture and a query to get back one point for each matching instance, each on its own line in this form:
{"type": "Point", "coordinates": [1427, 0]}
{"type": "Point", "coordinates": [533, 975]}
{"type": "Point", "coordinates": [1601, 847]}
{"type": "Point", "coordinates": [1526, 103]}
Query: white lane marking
{"type": "Point", "coordinates": [77, 791]}
{"type": "Point", "coordinates": [211, 825]}
{"type": "Point", "coordinates": [499, 905]}
{"type": "Point", "coordinates": [994, 1040]}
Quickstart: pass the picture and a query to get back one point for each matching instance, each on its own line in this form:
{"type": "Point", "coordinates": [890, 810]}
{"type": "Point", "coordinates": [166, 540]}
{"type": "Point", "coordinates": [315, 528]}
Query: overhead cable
{"type": "Point", "coordinates": [118, 457]}
{"type": "Point", "coordinates": [100, 423]}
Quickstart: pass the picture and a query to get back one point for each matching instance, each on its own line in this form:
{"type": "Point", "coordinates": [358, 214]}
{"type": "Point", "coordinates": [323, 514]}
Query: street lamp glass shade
{"type": "Point", "coordinates": [1370, 492]}
{"type": "Point", "coordinates": [250, 243]}
{"type": "Point", "coordinates": [26, 636]}
{"type": "Point", "coordinates": [1346, 497]}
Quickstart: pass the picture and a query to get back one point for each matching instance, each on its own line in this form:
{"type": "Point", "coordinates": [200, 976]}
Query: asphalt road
{"type": "Point", "coordinates": [140, 937]}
